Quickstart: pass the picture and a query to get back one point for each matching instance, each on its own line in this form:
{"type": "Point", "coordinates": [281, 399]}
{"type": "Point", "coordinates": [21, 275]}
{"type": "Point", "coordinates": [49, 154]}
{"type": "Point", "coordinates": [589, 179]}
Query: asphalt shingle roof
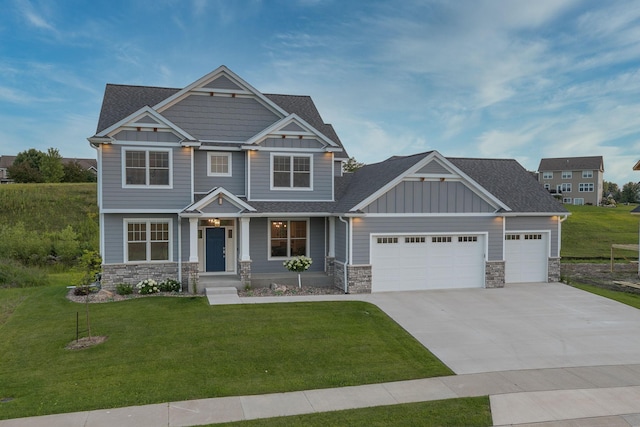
{"type": "Point", "coordinates": [571, 163]}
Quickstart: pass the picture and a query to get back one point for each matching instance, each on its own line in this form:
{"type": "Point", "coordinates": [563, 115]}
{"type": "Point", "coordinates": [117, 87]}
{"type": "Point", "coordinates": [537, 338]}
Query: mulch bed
{"type": "Point", "coordinates": [284, 290]}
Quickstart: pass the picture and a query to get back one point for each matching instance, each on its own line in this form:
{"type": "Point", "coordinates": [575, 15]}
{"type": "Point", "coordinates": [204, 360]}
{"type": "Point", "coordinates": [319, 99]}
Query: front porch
{"type": "Point", "coordinates": [263, 280]}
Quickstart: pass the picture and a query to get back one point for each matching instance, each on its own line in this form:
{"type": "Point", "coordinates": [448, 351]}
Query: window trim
{"type": "Point", "coordinates": [547, 175]}
{"type": "Point", "coordinates": [147, 184]}
{"type": "Point", "coordinates": [590, 187]}
{"type": "Point", "coordinates": [288, 221]}
{"type": "Point", "coordinates": [219, 154]}
{"type": "Point", "coordinates": [566, 187]}
{"type": "Point", "coordinates": [567, 175]}
{"type": "Point", "coordinates": [587, 174]}
{"type": "Point", "coordinates": [567, 200]}
{"type": "Point", "coordinates": [148, 222]}
{"type": "Point", "coordinates": [291, 156]}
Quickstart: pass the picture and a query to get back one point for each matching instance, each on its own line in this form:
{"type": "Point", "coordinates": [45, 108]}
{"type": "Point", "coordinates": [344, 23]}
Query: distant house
{"type": "Point", "coordinates": [7, 161]}
{"type": "Point", "coordinates": [578, 180]}
{"type": "Point", "coordinates": [218, 181]}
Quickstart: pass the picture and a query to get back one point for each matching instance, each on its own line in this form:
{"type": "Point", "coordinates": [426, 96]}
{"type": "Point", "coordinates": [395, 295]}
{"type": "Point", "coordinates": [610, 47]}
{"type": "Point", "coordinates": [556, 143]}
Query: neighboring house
{"type": "Point", "coordinates": [218, 180]}
{"type": "Point", "coordinates": [7, 161]}
{"type": "Point", "coordinates": [578, 180]}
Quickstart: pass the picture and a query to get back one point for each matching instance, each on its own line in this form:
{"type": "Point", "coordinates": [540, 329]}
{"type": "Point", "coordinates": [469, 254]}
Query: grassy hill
{"type": "Point", "coordinates": [590, 231]}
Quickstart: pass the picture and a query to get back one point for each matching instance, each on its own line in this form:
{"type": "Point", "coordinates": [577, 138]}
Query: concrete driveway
{"type": "Point", "coordinates": [524, 326]}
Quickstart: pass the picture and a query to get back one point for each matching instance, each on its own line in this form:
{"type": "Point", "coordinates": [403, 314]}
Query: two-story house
{"type": "Point", "coordinates": [578, 180]}
{"type": "Point", "coordinates": [217, 179]}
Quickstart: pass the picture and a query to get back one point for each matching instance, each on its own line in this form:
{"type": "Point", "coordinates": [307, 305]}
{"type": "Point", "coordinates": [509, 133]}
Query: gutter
{"type": "Point", "coordinates": [346, 253]}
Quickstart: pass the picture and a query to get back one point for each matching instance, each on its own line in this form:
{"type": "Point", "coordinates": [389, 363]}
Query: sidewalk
{"type": "Point", "coordinates": [592, 396]}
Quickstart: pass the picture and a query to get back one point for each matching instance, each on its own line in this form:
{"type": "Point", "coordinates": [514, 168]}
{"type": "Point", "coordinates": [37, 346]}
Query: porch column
{"type": "Point", "coordinates": [244, 239]}
{"type": "Point", "coordinates": [332, 237]}
{"type": "Point", "coordinates": [193, 239]}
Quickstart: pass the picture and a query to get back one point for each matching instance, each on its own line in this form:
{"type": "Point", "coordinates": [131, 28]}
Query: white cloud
{"type": "Point", "coordinates": [34, 17]}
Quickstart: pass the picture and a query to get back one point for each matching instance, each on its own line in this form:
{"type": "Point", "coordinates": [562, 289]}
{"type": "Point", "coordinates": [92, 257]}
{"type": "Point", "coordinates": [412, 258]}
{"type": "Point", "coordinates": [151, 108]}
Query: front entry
{"type": "Point", "coordinates": [215, 249]}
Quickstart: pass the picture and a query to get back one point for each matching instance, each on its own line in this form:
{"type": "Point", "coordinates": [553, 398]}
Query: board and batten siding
{"type": "Point", "coordinates": [260, 162]}
{"type": "Point", "coordinates": [146, 136]}
{"type": "Point", "coordinates": [114, 229]}
{"type": "Point", "coordinates": [536, 223]}
{"type": "Point", "coordinates": [258, 227]}
{"type": "Point", "coordinates": [429, 197]}
{"type": "Point", "coordinates": [292, 143]}
{"type": "Point", "coordinates": [235, 184]}
{"type": "Point", "coordinates": [220, 118]}
{"type": "Point", "coordinates": [363, 228]}
{"type": "Point", "coordinates": [114, 196]}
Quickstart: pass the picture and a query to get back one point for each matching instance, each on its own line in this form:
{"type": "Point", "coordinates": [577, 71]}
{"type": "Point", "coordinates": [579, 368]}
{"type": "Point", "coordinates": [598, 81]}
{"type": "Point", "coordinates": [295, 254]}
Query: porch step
{"type": "Point", "coordinates": [222, 295]}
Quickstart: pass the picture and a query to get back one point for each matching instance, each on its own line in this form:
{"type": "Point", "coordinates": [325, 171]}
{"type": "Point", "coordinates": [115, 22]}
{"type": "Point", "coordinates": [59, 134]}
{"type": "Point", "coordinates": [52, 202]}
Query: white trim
{"type": "Point", "coordinates": [350, 254]}
{"type": "Point", "coordinates": [125, 240]}
{"type": "Point", "coordinates": [147, 185]}
{"type": "Point", "coordinates": [218, 148]}
{"type": "Point", "coordinates": [193, 174]}
{"type": "Point", "coordinates": [587, 176]}
{"type": "Point", "coordinates": [274, 129]}
{"type": "Point", "coordinates": [504, 233]}
{"type": "Point", "coordinates": [102, 234]}
{"type": "Point", "coordinates": [515, 214]}
{"type": "Point", "coordinates": [247, 184]}
{"type": "Point", "coordinates": [333, 178]}
{"type": "Point", "coordinates": [137, 115]}
{"type": "Point", "coordinates": [427, 215]}
{"type": "Point", "coordinates": [147, 144]}
{"type": "Point", "coordinates": [291, 172]}
{"type": "Point", "coordinates": [547, 175]}
{"type": "Point", "coordinates": [285, 214]}
{"type": "Point", "coordinates": [484, 234]}
{"type": "Point", "coordinates": [547, 232]}
{"type": "Point", "coordinates": [283, 149]}
{"type": "Point", "coordinates": [288, 220]}
{"type": "Point", "coordinates": [229, 164]}
{"type": "Point", "coordinates": [140, 211]}
{"type": "Point", "coordinates": [210, 197]}
{"type": "Point", "coordinates": [292, 201]}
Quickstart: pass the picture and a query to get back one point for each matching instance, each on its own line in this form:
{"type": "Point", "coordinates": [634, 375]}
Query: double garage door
{"type": "Point", "coordinates": [419, 262]}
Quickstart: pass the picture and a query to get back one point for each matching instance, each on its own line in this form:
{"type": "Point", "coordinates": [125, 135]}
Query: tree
{"type": "Point", "coordinates": [630, 192]}
{"type": "Point", "coordinates": [51, 166]}
{"type": "Point", "coordinates": [351, 165]}
{"type": "Point", "coordinates": [611, 189]}
{"type": "Point", "coordinates": [74, 172]}
{"type": "Point", "coordinates": [26, 166]}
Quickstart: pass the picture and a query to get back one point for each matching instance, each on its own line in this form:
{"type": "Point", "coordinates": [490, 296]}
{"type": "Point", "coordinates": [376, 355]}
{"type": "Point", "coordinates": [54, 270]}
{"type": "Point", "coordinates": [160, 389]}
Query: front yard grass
{"type": "Point", "coordinates": [162, 349]}
{"type": "Point", "coordinates": [624, 297]}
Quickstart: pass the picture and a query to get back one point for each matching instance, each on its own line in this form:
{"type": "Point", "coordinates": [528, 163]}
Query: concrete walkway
{"type": "Point", "coordinates": [584, 370]}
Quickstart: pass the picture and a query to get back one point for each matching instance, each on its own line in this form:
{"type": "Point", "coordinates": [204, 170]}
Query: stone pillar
{"type": "Point", "coordinates": [244, 268]}
{"type": "Point", "coordinates": [554, 270]}
{"type": "Point", "coordinates": [359, 278]}
{"type": "Point", "coordinates": [494, 274]}
{"type": "Point", "coordinates": [330, 266]}
{"type": "Point", "coordinates": [193, 240]}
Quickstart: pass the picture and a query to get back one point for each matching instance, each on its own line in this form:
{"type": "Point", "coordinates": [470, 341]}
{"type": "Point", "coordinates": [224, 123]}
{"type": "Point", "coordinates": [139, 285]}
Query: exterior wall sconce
{"type": "Point", "coordinates": [216, 222]}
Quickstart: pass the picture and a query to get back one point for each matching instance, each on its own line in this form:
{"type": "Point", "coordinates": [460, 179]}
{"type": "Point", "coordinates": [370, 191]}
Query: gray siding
{"type": "Point", "coordinates": [148, 119]}
{"type": "Point", "coordinates": [259, 246]}
{"type": "Point", "coordinates": [220, 118]}
{"type": "Point", "coordinates": [534, 223]}
{"type": "Point", "coordinates": [114, 236]}
{"type": "Point", "coordinates": [292, 127]}
{"type": "Point", "coordinates": [222, 82]}
{"type": "Point", "coordinates": [429, 197]}
{"type": "Point", "coordinates": [434, 167]}
{"type": "Point", "coordinates": [117, 197]}
{"type": "Point", "coordinates": [261, 179]}
{"type": "Point", "coordinates": [225, 208]}
{"type": "Point", "coordinates": [292, 143]}
{"type": "Point", "coordinates": [363, 228]}
{"type": "Point", "coordinates": [146, 136]}
{"type": "Point", "coordinates": [235, 183]}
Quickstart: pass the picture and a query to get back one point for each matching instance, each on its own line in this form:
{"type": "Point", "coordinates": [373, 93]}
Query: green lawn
{"type": "Point", "coordinates": [590, 230]}
{"type": "Point", "coordinates": [169, 349]}
{"type": "Point", "coordinates": [468, 412]}
{"type": "Point", "coordinates": [624, 297]}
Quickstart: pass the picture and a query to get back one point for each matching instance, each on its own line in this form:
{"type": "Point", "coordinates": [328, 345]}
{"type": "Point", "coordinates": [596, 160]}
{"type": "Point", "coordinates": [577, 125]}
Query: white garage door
{"type": "Point", "coordinates": [526, 256]}
{"type": "Point", "coordinates": [413, 262]}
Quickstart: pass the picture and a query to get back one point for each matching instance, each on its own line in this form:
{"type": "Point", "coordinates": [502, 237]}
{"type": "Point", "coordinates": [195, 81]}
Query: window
{"type": "Point", "coordinates": [148, 240]}
{"type": "Point", "coordinates": [567, 174]}
{"type": "Point", "coordinates": [288, 238]}
{"type": "Point", "coordinates": [462, 239]}
{"type": "Point", "coordinates": [291, 172]}
{"type": "Point", "coordinates": [585, 187]}
{"type": "Point", "coordinates": [385, 240]}
{"type": "Point", "coordinates": [566, 200]}
{"type": "Point", "coordinates": [587, 174]}
{"type": "Point", "coordinates": [218, 164]}
{"type": "Point", "coordinates": [533, 237]}
{"type": "Point", "coordinates": [578, 201]}
{"type": "Point", "coordinates": [565, 187]}
{"type": "Point", "coordinates": [512, 237]}
{"type": "Point", "coordinates": [414, 239]}
{"type": "Point", "coordinates": [441, 239]}
{"type": "Point", "coordinates": [547, 187]}
{"type": "Point", "coordinates": [547, 175]}
{"type": "Point", "coordinates": [147, 168]}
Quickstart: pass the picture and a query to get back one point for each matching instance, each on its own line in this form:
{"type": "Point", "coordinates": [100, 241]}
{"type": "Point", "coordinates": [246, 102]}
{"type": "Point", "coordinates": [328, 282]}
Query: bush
{"type": "Point", "coordinates": [124, 289]}
{"type": "Point", "coordinates": [169, 285]}
{"type": "Point", "coordinates": [15, 275]}
{"type": "Point", "coordinates": [147, 286]}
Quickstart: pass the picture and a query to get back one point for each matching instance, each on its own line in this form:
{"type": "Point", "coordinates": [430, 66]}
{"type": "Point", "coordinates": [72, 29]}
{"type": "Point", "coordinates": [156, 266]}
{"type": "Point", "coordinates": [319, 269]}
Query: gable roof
{"type": "Point", "coordinates": [572, 163]}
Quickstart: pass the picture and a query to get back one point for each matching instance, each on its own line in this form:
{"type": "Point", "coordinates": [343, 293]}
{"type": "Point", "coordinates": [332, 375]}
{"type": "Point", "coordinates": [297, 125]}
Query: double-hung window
{"type": "Point", "coordinates": [587, 174]}
{"type": "Point", "coordinates": [567, 174]}
{"type": "Point", "coordinates": [288, 238]}
{"type": "Point", "coordinates": [291, 171]}
{"type": "Point", "coordinates": [584, 187]}
{"type": "Point", "coordinates": [547, 175]}
{"type": "Point", "coordinates": [147, 168]}
{"type": "Point", "coordinates": [565, 187]}
{"type": "Point", "coordinates": [147, 240]}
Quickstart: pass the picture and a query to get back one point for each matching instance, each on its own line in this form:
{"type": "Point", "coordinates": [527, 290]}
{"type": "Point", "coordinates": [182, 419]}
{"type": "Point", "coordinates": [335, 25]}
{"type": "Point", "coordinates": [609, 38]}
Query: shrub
{"type": "Point", "coordinates": [147, 286]}
{"type": "Point", "coordinates": [298, 264]}
{"type": "Point", "coordinates": [124, 289]}
{"type": "Point", "coordinates": [169, 285]}
{"type": "Point", "coordinates": [15, 275]}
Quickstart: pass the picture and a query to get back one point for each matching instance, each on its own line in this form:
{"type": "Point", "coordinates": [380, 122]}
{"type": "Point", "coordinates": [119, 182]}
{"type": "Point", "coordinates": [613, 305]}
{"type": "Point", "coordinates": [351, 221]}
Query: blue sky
{"type": "Point", "coordinates": [470, 78]}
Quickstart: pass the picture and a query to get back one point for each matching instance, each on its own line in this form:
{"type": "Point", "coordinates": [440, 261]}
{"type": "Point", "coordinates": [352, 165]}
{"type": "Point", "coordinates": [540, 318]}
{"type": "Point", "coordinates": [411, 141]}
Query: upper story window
{"type": "Point", "coordinates": [218, 164]}
{"type": "Point", "coordinates": [565, 187]}
{"type": "Point", "coordinates": [585, 187]}
{"type": "Point", "coordinates": [147, 240]}
{"type": "Point", "coordinates": [567, 174]}
{"type": "Point", "coordinates": [291, 172]}
{"type": "Point", "coordinates": [587, 174]}
{"type": "Point", "coordinates": [547, 175]}
{"type": "Point", "coordinates": [147, 168]}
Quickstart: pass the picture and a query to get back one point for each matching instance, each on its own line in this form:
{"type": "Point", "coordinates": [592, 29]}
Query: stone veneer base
{"type": "Point", "coordinates": [112, 274]}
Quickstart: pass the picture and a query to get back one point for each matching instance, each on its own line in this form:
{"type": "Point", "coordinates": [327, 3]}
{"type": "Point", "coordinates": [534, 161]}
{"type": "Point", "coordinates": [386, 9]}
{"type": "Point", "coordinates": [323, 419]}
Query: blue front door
{"type": "Point", "coordinates": [215, 249]}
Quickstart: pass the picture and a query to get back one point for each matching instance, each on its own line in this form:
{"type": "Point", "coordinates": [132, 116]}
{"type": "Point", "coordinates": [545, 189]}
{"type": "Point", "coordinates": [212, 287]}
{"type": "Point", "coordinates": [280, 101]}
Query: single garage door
{"type": "Point", "coordinates": [526, 257]}
{"type": "Point", "coordinates": [414, 262]}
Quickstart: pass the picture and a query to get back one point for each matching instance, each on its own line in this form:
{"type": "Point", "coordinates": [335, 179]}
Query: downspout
{"type": "Point", "coordinates": [560, 221]}
{"type": "Point", "coordinates": [180, 251]}
{"type": "Point", "coordinates": [346, 253]}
